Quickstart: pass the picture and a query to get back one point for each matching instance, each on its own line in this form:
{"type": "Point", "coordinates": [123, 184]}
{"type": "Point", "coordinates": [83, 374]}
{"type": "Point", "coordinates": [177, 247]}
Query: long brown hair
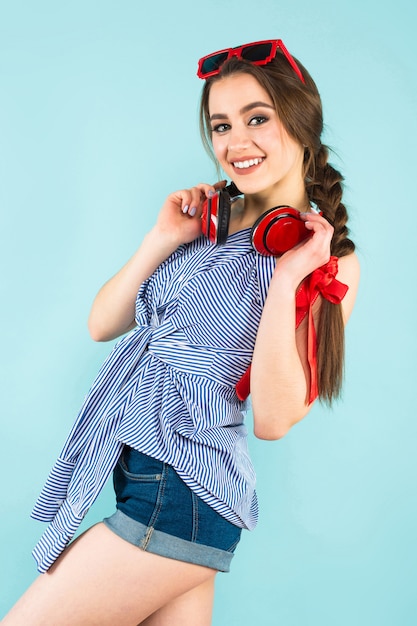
{"type": "Point", "coordinates": [299, 108]}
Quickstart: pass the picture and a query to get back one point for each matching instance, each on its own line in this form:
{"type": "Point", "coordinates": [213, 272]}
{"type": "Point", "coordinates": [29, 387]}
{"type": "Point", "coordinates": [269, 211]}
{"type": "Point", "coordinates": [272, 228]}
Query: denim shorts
{"type": "Point", "coordinates": [158, 512]}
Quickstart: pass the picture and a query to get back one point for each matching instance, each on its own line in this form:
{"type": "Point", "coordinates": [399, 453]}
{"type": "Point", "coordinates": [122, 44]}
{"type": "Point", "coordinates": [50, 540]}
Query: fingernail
{"type": "Point", "coordinates": [185, 209]}
{"type": "Point", "coordinates": [193, 211]}
{"type": "Point", "coordinates": [210, 193]}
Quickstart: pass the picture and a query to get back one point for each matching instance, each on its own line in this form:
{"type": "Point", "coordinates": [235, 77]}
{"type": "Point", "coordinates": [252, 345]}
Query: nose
{"type": "Point", "coordinates": [238, 139]}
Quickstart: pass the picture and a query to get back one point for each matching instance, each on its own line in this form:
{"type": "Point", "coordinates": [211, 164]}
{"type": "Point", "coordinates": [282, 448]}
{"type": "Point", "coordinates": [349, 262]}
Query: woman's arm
{"type": "Point", "coordinates": [280, 374]}
{"type": "Point", "coordinates": [113, 309]}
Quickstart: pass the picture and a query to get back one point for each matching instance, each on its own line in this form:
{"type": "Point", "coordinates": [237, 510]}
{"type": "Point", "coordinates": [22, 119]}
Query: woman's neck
{"type": "Point", "coordinates": [245, 211]}
{"type": "Point", "coordinates": [261, 202]}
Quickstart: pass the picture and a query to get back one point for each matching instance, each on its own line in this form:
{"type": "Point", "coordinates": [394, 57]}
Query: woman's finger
{"type": "Point", "coordinates": [197, 195]}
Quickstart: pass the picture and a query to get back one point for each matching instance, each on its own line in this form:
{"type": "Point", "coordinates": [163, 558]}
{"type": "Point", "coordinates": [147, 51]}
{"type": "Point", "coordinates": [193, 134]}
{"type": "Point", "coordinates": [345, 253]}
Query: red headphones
{"type": "Point", "coordinates": [273, 233]}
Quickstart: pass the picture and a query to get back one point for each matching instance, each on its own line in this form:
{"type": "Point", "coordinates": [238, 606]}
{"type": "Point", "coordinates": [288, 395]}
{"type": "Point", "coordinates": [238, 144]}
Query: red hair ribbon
{"type": "Point", "coordinates": [322, 281]}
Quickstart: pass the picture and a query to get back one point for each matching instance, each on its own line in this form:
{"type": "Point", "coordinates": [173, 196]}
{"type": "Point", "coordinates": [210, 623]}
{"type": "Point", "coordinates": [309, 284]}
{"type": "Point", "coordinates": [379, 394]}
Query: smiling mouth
{"type": "Point", "coordinates": [243, 165]}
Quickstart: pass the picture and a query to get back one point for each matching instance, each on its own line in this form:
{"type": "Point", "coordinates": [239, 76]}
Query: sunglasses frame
{"type": "Point", "coordinates": [276, 44]}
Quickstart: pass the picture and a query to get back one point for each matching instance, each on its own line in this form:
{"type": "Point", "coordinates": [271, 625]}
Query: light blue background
{"type": "Point", "coordinates": [98, 122]}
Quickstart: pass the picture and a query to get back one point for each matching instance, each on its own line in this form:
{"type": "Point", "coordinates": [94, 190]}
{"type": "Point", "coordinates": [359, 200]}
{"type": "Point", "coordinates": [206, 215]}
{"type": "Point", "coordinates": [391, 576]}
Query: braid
{"type": "Point", "coordinates": [324, 187]}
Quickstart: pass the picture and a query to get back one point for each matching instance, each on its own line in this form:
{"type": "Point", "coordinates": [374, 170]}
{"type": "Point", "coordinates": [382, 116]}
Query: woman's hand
{"type": "Point", "coordinates": [180, 217]}
{"type": "Point", "coordinates": [310, 254]}
{"type": "Point", "coordinates": [179, 221]}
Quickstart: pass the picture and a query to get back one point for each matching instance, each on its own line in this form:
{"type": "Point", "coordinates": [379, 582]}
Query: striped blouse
{"type": "Point", "coordinates": [168, 390]}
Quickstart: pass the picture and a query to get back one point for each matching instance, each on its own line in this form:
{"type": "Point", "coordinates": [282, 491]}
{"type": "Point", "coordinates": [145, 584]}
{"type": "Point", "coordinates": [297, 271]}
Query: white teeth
{"type": "Point", "coordinates": [245, 164]}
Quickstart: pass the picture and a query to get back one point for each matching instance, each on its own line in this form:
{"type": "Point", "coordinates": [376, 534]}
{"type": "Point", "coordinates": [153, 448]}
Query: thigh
{"type": "Point", "coordinates": [103, 580]}
{"type": "Point", "coordinates": [193, 608]}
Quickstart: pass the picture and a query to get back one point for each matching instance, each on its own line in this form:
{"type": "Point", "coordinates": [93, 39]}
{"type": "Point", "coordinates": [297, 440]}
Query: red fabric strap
{"type": "Point", "coordinates": [322, 281]}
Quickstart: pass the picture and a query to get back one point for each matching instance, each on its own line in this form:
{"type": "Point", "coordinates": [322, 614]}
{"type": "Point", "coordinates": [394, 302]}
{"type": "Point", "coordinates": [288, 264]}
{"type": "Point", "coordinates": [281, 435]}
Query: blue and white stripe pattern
{"type": "Point", "coordinates": [167, 389]}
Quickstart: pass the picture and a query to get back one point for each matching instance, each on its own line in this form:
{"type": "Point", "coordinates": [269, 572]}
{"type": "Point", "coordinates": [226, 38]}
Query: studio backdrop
{"type": "Point", "coordinates": [98, 123]}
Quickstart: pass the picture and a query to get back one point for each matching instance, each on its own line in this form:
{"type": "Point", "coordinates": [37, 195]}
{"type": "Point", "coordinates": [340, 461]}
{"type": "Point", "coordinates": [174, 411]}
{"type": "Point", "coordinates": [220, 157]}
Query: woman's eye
{"type": "Point", "coordinates": [258, 119]}
{"type": "Point", "coordinates": [220, 128]}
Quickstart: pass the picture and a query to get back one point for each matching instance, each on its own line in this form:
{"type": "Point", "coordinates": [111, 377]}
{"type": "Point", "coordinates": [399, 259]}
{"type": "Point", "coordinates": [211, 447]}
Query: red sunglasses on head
{"type": "Point", "coordinates": [258, 53]}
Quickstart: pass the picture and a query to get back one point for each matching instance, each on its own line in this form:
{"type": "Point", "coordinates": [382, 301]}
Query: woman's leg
{"type": "Point", "coordinates": [103, 580]}
{"type": "Point", "coordinates": [193, 608]}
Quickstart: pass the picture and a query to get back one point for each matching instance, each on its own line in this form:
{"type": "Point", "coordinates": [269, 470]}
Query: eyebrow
{"type": "Point", "coordinates": [245, 109]}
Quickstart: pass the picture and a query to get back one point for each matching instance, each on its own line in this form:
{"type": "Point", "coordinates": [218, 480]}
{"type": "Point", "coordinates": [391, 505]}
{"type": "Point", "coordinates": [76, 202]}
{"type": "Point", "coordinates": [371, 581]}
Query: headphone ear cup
{"type": "Point", "coordinates": [215, 217]}
{"type": "Point", "coordinates": [278, 230]}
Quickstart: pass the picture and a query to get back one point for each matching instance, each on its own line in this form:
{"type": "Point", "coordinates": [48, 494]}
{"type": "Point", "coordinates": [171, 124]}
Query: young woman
{"type": "Point", "coordinates": [166, 410]}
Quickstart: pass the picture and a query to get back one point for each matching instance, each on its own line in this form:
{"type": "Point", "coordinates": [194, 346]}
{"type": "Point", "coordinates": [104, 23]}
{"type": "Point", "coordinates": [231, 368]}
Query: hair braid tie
{"type": "Point", "coordinates": [322, 281]}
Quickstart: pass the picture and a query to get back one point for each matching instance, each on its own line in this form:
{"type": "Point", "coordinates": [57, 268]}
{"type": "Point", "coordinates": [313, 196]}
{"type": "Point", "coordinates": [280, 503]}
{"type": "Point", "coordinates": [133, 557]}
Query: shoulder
{"type": "Point", "coordinates": [349, 274]}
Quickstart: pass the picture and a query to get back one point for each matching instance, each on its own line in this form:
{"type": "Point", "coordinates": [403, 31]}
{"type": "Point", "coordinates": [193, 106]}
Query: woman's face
{"type": "Point", "coordinates": [250, 142]}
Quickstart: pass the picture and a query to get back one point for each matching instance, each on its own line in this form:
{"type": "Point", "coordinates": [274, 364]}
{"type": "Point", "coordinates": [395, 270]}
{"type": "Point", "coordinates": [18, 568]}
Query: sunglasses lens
{"type": "Point", "coordinates": [258, 52]}
{"type": "Point", "coordinates": [213, 63]}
